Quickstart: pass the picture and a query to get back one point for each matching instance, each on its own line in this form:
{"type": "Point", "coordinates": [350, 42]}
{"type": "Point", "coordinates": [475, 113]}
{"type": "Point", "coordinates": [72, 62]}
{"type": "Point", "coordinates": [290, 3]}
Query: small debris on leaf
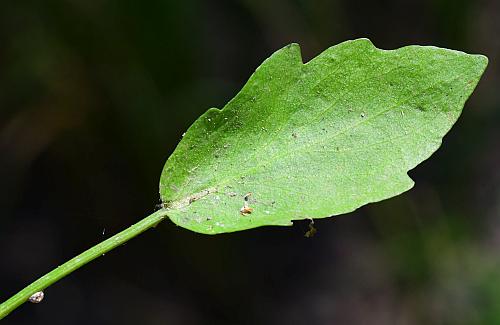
{"type": "Point", "coordinates": [246, 211]}
{"type": "Point", "coordinates": [247, 196]}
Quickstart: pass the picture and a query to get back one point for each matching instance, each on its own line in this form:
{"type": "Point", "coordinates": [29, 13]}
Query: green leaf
{"type": "Point", "coordinates": [317, 139]}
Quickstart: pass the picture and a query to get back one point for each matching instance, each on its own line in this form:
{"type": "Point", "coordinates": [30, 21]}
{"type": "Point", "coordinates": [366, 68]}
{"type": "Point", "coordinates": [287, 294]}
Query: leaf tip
{"type": "Point", "coordinates": [482, 60]}
{"type": "Point", "coordinates": [477, 65]}
{"type": "Point", "coordinates": [293, 50]}
{"type": "Point", "coordinates": [363, 41]}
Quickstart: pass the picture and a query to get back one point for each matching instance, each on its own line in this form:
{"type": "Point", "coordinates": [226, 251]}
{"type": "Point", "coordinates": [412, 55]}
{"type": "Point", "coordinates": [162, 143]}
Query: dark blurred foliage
{"type": "Point", "coordinates": [94, 97]}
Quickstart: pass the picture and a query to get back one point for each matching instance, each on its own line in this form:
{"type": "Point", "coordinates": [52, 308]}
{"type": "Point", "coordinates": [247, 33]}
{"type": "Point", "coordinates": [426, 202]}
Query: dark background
{"type": "Point", "coordinates": [94, 97]}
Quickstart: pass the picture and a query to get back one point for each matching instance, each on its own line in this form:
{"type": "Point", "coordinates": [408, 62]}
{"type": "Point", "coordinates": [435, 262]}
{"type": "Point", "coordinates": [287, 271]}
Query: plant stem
{"type": "Point", "coordinates": [75, 263]}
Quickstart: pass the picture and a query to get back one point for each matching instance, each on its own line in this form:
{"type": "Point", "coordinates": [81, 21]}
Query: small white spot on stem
{"type": "Point", "coordinates": [37, 297]}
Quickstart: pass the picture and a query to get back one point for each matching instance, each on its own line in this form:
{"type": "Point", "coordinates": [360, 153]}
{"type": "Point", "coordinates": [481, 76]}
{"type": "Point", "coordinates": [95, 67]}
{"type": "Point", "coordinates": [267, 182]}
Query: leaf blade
{"type": "Point", "coordinates": [317, 139]}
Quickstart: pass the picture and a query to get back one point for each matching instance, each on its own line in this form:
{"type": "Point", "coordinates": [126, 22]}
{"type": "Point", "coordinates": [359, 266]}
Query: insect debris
{"type": "Point", "coordinates": [246, 210]}
{"type": "Point", "coordinates": [312, 230]}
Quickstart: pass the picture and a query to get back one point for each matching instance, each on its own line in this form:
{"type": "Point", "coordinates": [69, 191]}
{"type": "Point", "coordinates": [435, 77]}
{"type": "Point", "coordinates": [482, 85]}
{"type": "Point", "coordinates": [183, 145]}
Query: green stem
{"type": "Point", "coordinates": [75, 263]}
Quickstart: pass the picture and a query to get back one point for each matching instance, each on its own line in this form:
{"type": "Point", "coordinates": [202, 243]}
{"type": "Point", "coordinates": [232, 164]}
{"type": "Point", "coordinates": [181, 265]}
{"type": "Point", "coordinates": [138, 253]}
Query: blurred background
{"type": "Point", "coordinates": [94, 97]}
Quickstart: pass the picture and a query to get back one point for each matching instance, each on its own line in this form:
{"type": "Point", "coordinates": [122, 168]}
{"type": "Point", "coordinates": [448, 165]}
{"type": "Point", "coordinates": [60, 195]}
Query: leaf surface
{"type": "Point", "coordinates": [317, 139]}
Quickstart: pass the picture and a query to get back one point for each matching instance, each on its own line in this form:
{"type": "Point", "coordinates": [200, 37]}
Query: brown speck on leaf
{"type": "Point", "coordinates": [195, 197]}
{"type": "Point", "coordinates": [246, 210]}
{"type": "Point", "coordinates": [247, 196]}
